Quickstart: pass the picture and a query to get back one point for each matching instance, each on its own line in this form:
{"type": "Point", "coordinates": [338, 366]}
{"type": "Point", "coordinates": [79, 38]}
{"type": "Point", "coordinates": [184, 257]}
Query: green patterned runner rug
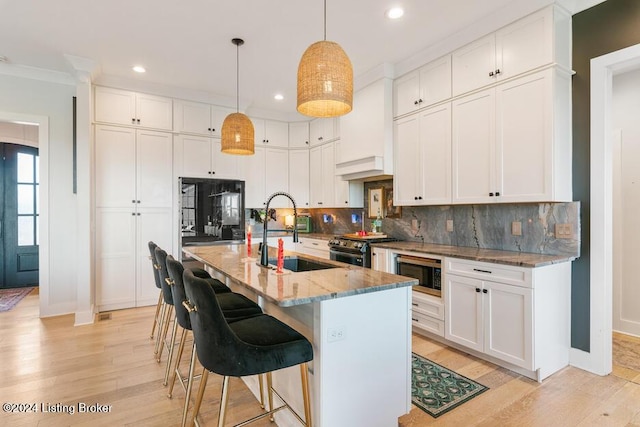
{"type": "Point", "coordinates": [437, 390]}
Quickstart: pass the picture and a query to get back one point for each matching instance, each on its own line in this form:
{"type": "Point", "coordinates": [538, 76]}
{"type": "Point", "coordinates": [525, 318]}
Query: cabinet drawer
{"type": "Point", "coordinates": [426, 305]}
{"type": "Point", "coordinates": [517, 276]}
{"type": "Point", "coordinates": [427, 323]}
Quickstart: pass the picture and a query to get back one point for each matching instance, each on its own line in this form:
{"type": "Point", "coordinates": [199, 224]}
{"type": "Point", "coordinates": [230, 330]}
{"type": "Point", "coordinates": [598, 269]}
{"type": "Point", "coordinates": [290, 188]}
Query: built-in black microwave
{"type": "Point", "coordinates": [428, 271]}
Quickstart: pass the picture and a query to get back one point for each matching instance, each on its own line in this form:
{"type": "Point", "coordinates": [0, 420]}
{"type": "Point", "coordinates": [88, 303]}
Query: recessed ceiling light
{"type": "Point", "coordinates": [278, 97]}
{"type": "Point", "coordinates": [395, 13]}
{"type": "Point", "coordinates": [3, 58]}
{"type": "Point", "coordinates": [139, 69]}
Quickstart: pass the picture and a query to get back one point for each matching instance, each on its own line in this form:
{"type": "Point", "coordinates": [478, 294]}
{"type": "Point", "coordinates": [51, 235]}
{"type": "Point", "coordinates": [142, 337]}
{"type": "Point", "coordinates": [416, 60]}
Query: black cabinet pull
{"type": "Point", "coordinates": [306, 142]}
{"type": "Point", "coordinates": [415, 320]}
{"type": "Point", "coordinates": [485, 291]}
{"type": "Point", "coordinates": [478, 290]}
{"type": "Point", "coordinates": [138, 214]}
{"type": "Point", "coordinates": [415, 198]}
{"type": "Point", "coordinates": [133, 201]}
{"type": "Point", "coordinates": [213, 129]}
{"type": "Point", "coordinates": [209, 129]}
{"type": "Point", "coordinates": [319, 203]}
{"type": "Point", "coordinates": [482, 271]}
{"type": "Point", "coordinates": [138, 120]}
{"type": "Point", "coordinates": [490, 73]}
{"type": "Point", "coordinates": [133, 214]}
{"type": "Point", "coordinates": [413, 303]}
{"type": "Point", "coordinates": [497, 193]}
{"type": "Point", "coordinates": [415, 102]}
{"type": "Point", "coordinates": [490, 194]}
{"type": "Point", "coordinates": [419, 197]}
{"type": "Point", "coordinates": [498, 71]}
{"type": "Point", "coordinates": [420, 100]}
{"type": "Point", "coordinates": [133, 121]}
{"type": "Point", "coordinates": [137, 201]}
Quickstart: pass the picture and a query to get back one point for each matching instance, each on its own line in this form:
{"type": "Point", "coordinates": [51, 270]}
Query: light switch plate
{"type": "Point", "coordinates": [564, 231]}
{"type": "Point", "coordinates": [449, 225]}
{"type": "Point", "coordinates": [516, 228]}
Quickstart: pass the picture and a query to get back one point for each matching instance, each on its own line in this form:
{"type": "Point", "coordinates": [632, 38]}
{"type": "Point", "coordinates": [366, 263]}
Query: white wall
{"type": "Point", "coordinates": [53, 100]}
{"type": "Point", "coordinates": [626, 202]}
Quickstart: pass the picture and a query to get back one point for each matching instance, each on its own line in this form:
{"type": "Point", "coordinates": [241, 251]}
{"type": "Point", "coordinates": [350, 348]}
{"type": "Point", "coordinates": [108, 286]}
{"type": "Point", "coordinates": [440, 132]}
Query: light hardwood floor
{"type": "Point", "coordinates": [110, 362]}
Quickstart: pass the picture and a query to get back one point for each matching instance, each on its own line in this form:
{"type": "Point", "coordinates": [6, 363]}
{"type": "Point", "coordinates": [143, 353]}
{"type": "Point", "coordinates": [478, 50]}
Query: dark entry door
{"type": "Point", "coordinates": [19, 215]}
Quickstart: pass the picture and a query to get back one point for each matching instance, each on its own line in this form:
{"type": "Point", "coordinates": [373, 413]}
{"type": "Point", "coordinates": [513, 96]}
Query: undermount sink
{"type": "Point", "coordinates": [298, 264]}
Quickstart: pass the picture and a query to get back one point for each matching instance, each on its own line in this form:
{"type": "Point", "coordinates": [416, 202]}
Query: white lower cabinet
{"type": "Point", "coordinates": [124, 276]}
{"type": "Point", "coordinates": [512, 314]}
{"type": "Point", "coordinates": [380, 259]}
{"type": "Point", "coordinates": [315, 247]}
{"type": "Point", "coordinates": [427, 313]}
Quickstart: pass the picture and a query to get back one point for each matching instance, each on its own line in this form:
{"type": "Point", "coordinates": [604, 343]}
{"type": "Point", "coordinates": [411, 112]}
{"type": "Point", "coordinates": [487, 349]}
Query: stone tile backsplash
{"type": "Point", "coordinates": [486, 226]}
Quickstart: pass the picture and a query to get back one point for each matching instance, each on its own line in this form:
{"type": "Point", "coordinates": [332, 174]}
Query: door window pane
{"type": "Point", "coordinates": [25, 167]}
{"type": "Point", "coordinates": [26, 231]}
{"type": "Point", "coordinates": [25, 199]}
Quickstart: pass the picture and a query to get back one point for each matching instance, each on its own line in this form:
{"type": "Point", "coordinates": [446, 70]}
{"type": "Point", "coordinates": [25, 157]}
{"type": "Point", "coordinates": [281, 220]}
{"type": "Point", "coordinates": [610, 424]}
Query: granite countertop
{"type": "Point", "coordinates": [521, 259]}
{"type": "Point", "coordinates": [291, 288]}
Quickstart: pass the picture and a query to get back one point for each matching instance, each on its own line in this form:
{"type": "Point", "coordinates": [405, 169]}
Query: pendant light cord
{"type": "Point", "coordinates": [325, 20]}
{"type": "Point", "coordinates": [237, 78]}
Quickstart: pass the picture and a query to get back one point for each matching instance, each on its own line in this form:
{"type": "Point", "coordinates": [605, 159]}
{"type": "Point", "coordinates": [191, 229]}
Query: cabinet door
{"type": "Point", "coordinates": [115, 106]}
{"type": "Point", "coordinates": [196, 156]}
{"type": "Point", "coordinates": [463, 299]}
{"type": "Point", "coordinates": [328, 175]}
{"type": "Point", "coordinates": [322, 130]}
{"type": "Point", "coordinates": [474, 148]}
{"type": "Point", "coordinates": [435, 82]}
{"type": "Point", "coordinates": [218, 114]}
{"type": "Point", "coordinates": [299, 135]}
{"type": "Point", "coordinates": [192, 117]}
{"type": "Point", "coordinates": [154, 111]}
{"type": "Point", "coordinates": [255, 175]}
{"type": "Point", "coordinates": [156, 225]}
{"type": "Point", "coordinates": [508, 323]}
{"type": "Point", "coordinates": [315, 177]}
{"type": "Point", "coordinates": [115, 167]}
{"type": "Point", "coordinates": [434, 155]}
{"type": "Point", "coordinates": [474, 65]}
{"type": "Point", "coordinates": [259, 136]}
{"type": "Point", "coordinates": [342, 198]}
{"type": "Point", "coordinates": [154, 159]}
{"type": "Point", "coordinates": [299, 177]}
{"type": "Point", "coordinates": [223, 165]}
{"type": "Point", "coordinates": [277, 176]}
{"type": "Point", "coordinates": [276, 133]}
{"type": "Point", "coordinates": [526, 44]}
{"type": "Point", "coordinates": [408, 171]}
{"type": "Point", "coordinates": [524, 140]}
{"type": "Point", "coordinates": [379, 259]}
{"type": "Point", "coordinates": [116, 258]}
{"type": "Point", "coordinates": [406, 94]}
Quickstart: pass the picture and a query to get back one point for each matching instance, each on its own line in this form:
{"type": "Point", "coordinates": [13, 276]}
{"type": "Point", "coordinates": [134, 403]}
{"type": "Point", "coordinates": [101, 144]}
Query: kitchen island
{"type": "Point", "coordinates": [358, 321]}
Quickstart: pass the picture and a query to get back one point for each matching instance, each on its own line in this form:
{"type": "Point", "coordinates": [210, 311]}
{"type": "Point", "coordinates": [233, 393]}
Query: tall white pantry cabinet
{"type": "Point", "coordinates": [133, 179]}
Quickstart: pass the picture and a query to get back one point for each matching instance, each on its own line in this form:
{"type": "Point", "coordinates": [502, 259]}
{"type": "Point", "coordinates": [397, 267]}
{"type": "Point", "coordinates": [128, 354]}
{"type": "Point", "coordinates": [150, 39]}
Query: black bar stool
{"type": "Point", "coordinates": [254, 346]}
{"type": "Point", "coordinates": [234, 307]}
{"type": "Point", "coordinates": [160, 305]}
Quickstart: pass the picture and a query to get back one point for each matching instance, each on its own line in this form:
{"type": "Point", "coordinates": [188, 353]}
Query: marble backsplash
{"type": "Point", "coordinates": [486, 226]}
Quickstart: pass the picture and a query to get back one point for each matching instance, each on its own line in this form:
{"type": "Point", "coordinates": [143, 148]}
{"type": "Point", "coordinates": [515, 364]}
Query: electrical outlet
{"type": "Point", "coordinates": [336, 334]}
{"type": "Point", "coordinates": [516, 228]}
{"type": "Point", "coordinates": [449, 225]}
{"type": "Point", "coordinates": [564, 231]}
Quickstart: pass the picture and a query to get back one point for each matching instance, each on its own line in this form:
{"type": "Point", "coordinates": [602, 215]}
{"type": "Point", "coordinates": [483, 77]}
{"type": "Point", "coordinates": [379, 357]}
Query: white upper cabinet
{"type": "Point", "coordinates": [423, 158]}
{"type": "Point", "coordinates": [322, 130]}
{"type": "Point", "coordinates": [542, 38]}
{"type": "Point", "coordinates": [322, 176]}
{"type": "Point", "coordinates": [366, 133]}
{"type": "Point", "coordinates": [200, 119]}
{"type": "Point", "coordinates": [122, 107]}
{"type": "Point", "coordinates": [348, 194]}
{"type": "Point", "coordinates": [421, 88]}
{"type": "Point", "coordinates": [512, 143]}
{"type": "Point", "coordinates": [200, 157]}
{"type": "Point", "coordinates": [299, 177]}
{"type": "Point", "coordinates": [254, 173]}
{"type": "Point", "coordinates": [277, 176]}
{"type": "Point", "coordinates": [270, 133]}
{"type": "Point", "coordinates": [299, 135]}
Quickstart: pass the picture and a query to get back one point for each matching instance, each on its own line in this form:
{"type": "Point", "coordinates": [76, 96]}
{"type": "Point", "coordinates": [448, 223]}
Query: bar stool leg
{"type": "Point", "coordinates": [270, 394]}
{"type": "Point", "coordinates": [203, 385]}
{"type": "Point", "coordinates": [183, 339]}
{"type": "Point", "coordinates": [171, 346]}
{"type": "Point", "coordinates": [155, 318]}
{"type": "Point", "coordinates": [187, 398]}
{"type": "Point", "coordinates": [165, 330]}
{"type": "Point", "coordinates": [304, 376]}
{"type": "Point", "coordinates": [223, 402]}
{"type": "Point", "coordinates": [163, 309]}
{"type": "Point", "coordinates": [261, 385]}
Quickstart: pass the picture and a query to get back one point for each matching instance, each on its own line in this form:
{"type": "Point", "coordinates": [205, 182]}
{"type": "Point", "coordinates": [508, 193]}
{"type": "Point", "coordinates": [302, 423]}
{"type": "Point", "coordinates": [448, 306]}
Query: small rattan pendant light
{"type": "Point", "coordinates": [325, 79]}
{"type": "Point", "coordinates": [237, 129]}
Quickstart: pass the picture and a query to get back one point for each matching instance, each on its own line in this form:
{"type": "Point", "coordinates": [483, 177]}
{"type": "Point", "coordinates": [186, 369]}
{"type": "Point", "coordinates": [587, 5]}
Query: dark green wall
{"type": "Point", "coordinates": [605, 28]}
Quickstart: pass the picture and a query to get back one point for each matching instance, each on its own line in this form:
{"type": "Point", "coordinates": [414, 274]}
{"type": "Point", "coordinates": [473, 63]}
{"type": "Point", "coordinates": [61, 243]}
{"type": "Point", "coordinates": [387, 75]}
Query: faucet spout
{"type": "Point", "coordinates": [264, 255]}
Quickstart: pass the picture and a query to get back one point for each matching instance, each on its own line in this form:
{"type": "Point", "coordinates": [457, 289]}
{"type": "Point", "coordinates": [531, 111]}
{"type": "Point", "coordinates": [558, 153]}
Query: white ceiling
{"type": "Point", "coordinates": [187, 51]}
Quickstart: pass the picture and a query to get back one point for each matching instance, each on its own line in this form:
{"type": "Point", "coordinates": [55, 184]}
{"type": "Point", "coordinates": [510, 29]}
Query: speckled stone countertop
{"type": "Point", "coordinates": [521, 259]}
{"type": "Point", "coordinates": [294, 288]}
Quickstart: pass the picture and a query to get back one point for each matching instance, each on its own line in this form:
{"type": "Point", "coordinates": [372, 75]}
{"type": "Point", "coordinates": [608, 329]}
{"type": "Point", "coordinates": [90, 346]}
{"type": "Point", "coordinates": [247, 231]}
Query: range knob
{"type": "Point", "coordinates": [358, 245]}
{"type": "Point", "coordinates": [343, 243]}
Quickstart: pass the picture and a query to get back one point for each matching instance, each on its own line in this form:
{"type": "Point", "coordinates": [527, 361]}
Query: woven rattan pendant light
{"type": "Point", "coordinates": [325, 79]}
{"type": "Point", "coordinates": [237, 129]}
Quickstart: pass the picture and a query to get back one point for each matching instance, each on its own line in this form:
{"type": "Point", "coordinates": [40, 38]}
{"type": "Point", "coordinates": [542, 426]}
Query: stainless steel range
{"type": "Point", "coordinates": [354, 249]}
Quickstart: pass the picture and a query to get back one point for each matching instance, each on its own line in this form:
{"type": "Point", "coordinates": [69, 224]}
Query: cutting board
{"type": "Point", "coordinates": [368, 236]}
